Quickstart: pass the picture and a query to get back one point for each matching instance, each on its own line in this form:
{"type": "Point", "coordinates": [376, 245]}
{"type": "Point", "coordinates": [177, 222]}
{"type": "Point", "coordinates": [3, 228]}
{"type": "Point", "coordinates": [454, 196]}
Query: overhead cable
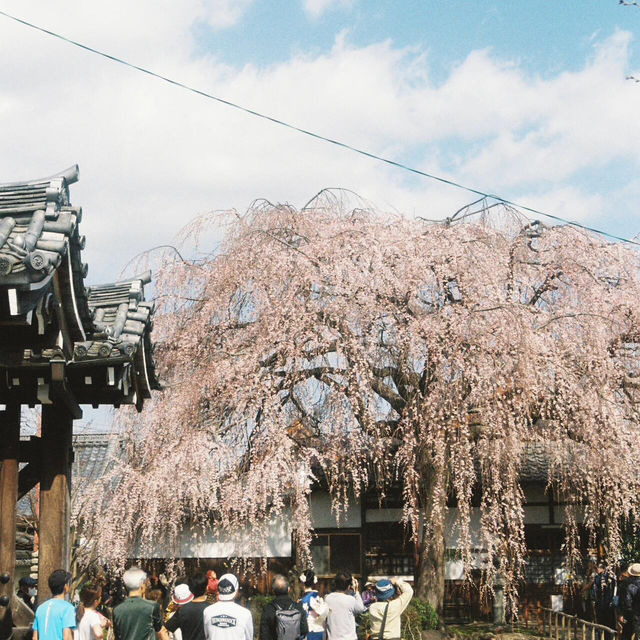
{"type": "Point", "coordinates": [312, 134]}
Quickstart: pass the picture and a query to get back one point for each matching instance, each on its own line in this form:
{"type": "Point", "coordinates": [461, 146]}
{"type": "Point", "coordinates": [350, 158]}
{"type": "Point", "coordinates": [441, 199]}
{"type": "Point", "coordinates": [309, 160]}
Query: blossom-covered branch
{"type": "Point", "coordinates": [357, 350]}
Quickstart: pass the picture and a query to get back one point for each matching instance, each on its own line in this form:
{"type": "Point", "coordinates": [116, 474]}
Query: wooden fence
{"type": "Point", "coordinates": [556, 625]}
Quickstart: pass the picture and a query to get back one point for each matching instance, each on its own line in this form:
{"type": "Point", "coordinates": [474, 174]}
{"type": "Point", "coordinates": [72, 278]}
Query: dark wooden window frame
{"type": "Point", "coordinates": [340, 532]}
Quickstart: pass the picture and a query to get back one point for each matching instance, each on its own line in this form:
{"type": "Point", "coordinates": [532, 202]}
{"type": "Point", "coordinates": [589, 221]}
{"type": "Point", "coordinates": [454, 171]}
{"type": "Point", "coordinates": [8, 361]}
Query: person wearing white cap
{"type": "Point", "coordinates": [225, 619]}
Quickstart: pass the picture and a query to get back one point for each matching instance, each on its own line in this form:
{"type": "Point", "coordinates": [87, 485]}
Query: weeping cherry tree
{"type": "Point", "coordinates": [366, 350]}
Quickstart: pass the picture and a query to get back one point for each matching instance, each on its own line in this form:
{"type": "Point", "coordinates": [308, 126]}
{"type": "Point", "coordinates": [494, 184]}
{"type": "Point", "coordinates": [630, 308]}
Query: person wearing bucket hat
{"type": "Point", "coordinates": [384, 590]}
{"type": "Point", "coordinates": [624, 616]}
{"type": "Point", "coordinates": [393, 597]}
{"type": "Point", "coordinates": [181, 595]}
{"type": "Point", "coordinates": [369, 594]}
{"type": "Point", "coordinates": [188, 619]}
{"type": "Point", "coordinates": [632, 597]}
{"type": "Point", "coordinates": [225, 619]}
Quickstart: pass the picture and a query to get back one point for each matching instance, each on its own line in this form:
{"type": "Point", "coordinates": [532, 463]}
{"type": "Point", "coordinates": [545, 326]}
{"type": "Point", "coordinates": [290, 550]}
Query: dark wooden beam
{"type": "Point", "coordinates": [80, 385]}
{"type": "Point", "coordinates": [59, 390]}
{"type": "Point", "coordinates": [9, 459]}
{"type": "Point", "coordinates": [55, 494]}
{"type": "Point", "coordinates": [28, 478]}
{"type": "Point", "coordinates": [30, 450]}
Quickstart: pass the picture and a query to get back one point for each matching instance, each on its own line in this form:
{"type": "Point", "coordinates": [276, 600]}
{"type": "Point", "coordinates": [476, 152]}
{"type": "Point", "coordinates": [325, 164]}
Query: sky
{"type": "Point", "coordinates": [527, 100]}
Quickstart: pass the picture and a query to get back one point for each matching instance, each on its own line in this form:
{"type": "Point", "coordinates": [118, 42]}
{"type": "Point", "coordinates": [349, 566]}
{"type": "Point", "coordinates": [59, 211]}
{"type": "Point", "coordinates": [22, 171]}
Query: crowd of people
{"type": "Point", "coordinates": [205, 608]}
{"type": "Point", "coordinates": [615, 599]}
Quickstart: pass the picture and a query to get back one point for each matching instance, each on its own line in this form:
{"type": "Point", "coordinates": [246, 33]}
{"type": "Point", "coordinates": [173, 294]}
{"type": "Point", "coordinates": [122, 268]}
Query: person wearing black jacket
{"type": "Point", "coordinates": [27, 591]}
{"type": "Point", "coordinates": [623, 616]}
{"type": "Point", "coordinates": [632, 597]}
{"type": "Point", "coordinates": [603, 590]}
{"type": "Point", "coordinates": [282, 601]}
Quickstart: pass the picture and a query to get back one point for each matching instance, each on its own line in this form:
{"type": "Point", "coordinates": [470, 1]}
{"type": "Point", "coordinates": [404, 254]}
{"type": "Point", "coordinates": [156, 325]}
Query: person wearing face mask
{"type": "Point", "coordinates": [27, 592]}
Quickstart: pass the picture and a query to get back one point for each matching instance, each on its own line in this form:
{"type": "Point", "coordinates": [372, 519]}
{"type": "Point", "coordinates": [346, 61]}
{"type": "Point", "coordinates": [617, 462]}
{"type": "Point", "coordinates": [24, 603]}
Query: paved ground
{"type": "Point", "coordinates": [486, 631]}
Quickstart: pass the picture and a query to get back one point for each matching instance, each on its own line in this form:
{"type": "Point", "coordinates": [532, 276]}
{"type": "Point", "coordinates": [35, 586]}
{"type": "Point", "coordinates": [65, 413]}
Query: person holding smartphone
{"type": "Point", "coordinates": [393, 597]}
{"type": "Point", "coordinates": [343, 608]}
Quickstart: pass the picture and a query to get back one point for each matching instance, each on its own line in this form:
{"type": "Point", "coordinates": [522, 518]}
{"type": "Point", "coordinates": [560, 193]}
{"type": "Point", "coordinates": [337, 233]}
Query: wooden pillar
{"type": "Point", "coordinates": [55, 495]}
{"type": "Point", "coordinates": [364, 542]}
{"type": "Point", "coordinates": [9, 458]}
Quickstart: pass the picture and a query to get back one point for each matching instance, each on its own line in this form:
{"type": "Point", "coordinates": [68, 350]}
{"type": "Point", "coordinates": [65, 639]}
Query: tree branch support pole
{"type": "Point", "coordinates": [9, 459]}
{"type": "Point", "coordinates": [55, 495]}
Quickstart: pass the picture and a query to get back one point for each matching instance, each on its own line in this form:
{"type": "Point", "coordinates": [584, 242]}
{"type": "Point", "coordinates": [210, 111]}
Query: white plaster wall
{"type": "Point", "coordinates": [323, 517]}
{"type": "Point", "coordinates": [451, 532]}
{"type": "Point", "coordinates": [454, 569]}
{"type": "Point", "coordinates": [195, 543]}
{"type": "Point", "coordinates": [384, 515]}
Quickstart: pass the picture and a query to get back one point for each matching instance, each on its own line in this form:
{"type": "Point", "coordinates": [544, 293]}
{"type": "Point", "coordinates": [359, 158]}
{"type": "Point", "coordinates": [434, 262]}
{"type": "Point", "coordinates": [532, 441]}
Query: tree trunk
{"type": "Point", "coordinates": [430, 566]}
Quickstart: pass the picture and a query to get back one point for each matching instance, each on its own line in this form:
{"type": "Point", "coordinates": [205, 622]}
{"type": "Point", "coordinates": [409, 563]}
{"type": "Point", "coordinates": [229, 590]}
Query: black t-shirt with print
{"type": "Point", "coordinates": [189, 619]}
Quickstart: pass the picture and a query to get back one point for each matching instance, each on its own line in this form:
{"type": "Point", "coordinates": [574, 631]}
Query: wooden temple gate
{"type": "Point", "coordinates": [61, 345]}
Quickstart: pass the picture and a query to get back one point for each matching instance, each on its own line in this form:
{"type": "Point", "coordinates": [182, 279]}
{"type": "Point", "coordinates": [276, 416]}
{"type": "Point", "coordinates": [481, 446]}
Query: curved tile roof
{"type": "Point", "coordinates": [53, 315]}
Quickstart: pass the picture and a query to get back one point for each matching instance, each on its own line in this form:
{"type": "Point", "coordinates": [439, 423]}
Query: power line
{"type": "Point", "coordinates": [312, 134]}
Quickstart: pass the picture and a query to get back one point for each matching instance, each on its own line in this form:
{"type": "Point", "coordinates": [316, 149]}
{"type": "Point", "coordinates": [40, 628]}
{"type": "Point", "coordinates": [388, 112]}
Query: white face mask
{"type": "Point", "coordinates": [32, 592]}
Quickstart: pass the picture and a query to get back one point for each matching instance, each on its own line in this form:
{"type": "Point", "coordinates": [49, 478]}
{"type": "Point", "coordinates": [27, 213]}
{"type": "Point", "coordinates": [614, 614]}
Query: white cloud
{"type": "Point", "coordinates": [315, 8]}
{"type": "Point", "coordinates": [221, 14]}
{"type": "Point", "coordinates": [153, 156]}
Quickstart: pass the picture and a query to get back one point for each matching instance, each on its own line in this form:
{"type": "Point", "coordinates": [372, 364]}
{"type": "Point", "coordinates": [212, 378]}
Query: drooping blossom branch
{"type": "Point", "coordinates": [356, 350]}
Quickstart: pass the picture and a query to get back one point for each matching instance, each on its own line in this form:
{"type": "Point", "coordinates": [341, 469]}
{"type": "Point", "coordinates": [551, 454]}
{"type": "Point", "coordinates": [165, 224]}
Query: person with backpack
{"type": "Point", "coordinates": [283, 619]}
{"type": "Point", "coordinates": [392, 598]}
{"type": "Point", "coordinates": [314, 606]}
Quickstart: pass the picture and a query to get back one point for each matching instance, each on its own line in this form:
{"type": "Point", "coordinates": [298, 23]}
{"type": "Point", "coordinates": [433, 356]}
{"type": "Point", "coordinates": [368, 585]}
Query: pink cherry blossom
{"type": "Point", "coordinates": [358, 350]}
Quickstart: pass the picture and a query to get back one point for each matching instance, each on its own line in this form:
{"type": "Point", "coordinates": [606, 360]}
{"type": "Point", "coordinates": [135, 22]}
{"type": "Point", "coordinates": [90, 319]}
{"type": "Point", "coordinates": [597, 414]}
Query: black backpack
{"type": "Point", "coordinates": [288, 622]}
